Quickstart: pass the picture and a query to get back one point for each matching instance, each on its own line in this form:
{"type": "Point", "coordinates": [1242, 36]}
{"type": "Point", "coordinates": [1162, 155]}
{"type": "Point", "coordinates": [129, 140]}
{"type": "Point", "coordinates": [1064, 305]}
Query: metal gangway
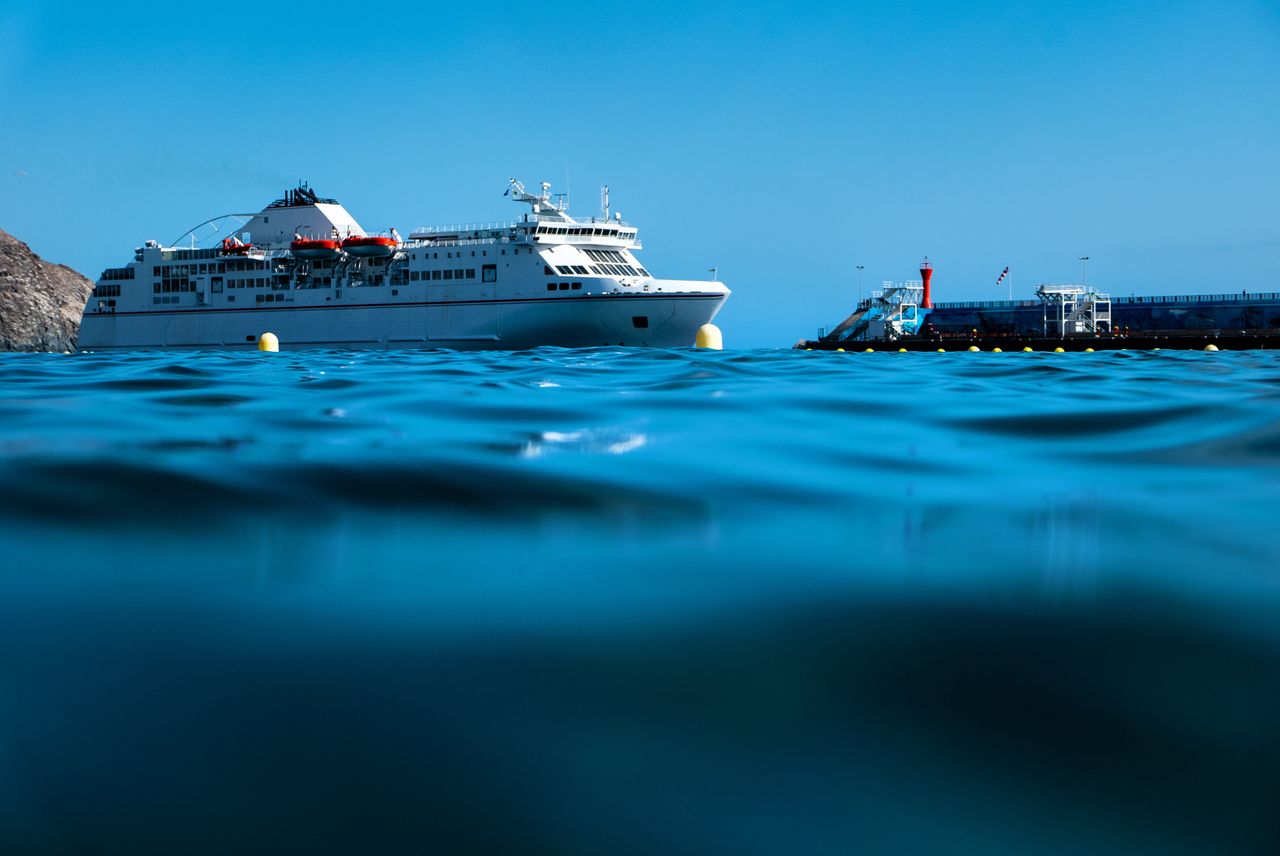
{"type": "Point", "coordinates": [899, 309]}
{"type": "Point", "coordinates": [890, 312]}
{"type": "Point", "coordinates": [1074, 310]}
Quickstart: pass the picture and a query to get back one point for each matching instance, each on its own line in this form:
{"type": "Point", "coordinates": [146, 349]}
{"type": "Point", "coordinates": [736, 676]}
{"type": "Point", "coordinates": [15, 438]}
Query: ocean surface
{"type": "Point", "coordinates": [627, 601]}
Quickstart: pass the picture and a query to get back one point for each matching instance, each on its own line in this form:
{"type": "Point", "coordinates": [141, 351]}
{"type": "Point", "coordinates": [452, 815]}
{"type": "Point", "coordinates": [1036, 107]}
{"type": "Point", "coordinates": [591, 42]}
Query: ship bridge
{"type": "Point", "coordinates": [548, 222]}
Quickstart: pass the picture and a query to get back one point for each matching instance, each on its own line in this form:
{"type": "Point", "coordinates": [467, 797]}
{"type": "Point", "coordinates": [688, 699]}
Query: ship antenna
{"type": "Point", "coordinates": [604, 200]}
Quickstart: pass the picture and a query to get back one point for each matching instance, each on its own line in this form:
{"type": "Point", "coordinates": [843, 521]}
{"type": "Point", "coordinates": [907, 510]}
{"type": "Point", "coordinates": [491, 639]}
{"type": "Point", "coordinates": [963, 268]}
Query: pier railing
{"type": "Point", "coordinates": [1240, 297]}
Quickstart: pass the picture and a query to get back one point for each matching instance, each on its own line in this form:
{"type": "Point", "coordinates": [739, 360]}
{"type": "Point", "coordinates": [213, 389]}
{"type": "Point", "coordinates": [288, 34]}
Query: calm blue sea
{"type": "Point", "coordinates": [624, 601]}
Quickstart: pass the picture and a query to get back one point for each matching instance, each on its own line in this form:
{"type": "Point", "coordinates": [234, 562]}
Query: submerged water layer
{"type": "Point", "coordinates": [626, 601]}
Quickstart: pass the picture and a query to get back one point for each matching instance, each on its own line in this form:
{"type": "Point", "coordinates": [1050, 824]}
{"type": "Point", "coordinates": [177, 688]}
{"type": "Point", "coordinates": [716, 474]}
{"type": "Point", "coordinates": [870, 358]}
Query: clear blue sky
{"type": "Point", "coordinates": [784, 143]}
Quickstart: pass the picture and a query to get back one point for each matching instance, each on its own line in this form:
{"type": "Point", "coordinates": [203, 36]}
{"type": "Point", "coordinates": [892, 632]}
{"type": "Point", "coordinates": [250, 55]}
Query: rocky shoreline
{"type": "Point", "coordinates": [40, 302]}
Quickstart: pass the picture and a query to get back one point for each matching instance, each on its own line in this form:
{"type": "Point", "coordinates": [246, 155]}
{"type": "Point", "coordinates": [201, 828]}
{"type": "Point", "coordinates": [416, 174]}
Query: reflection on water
{"type": "Point", "coordinates": [627, 601]}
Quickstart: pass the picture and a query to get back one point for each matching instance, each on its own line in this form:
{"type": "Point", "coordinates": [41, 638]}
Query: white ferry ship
{"type": "Point", "coordinates": [303, 269]}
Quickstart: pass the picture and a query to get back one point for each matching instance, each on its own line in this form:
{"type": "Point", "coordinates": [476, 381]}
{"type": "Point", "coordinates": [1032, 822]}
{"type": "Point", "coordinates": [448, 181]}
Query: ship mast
{"type": "Point", "coordinates": [540, 202]}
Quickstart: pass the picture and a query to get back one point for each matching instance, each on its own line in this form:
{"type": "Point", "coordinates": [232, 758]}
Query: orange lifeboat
{"type": "Point", "coordinates": [235, 247]}
{"type": "Point", "coordinates": [369, 246]}
{"type": "Point", "coordinates": [315, 248]}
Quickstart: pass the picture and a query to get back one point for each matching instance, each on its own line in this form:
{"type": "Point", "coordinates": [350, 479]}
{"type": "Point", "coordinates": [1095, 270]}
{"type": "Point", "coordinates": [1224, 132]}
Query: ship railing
{"type": "Point", "coordinates": [986, 304]}
{"type": "Point", "coordinates": [460, 228]}
{"type": "Point", "coordinates": [1236, 297]}
{"type": "Point", "coordinates": [452, 242]}
{"type": "Point", "coordinates": [581, 221]}
{"type": "Point", "coordinates": [521, 237]}
{"type": "Point", "coordinates": [537, 219]}
{"type": "Point", "coordinates": [1240, 297]}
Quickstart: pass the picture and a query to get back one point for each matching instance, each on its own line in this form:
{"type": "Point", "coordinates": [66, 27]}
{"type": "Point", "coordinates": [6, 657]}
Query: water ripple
{"type": "Point", "coordinates": [614, 600]}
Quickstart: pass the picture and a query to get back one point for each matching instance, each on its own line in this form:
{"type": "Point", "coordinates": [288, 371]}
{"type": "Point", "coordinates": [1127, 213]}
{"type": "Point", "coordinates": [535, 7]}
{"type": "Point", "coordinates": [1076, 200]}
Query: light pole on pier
{"type": "Point", "coordinates": [860, 267]}
{"type": "Point", "coordinates": [1084, 263]}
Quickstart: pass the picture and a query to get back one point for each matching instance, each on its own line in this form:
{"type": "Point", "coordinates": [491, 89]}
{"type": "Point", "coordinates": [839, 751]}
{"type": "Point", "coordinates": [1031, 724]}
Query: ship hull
{"type": "Point", "coordinates": [636, 320]}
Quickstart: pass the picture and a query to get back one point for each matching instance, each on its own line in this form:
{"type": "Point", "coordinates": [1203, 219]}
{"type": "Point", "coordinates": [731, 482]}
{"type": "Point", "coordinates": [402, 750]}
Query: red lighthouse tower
{"type": "Point", "coordinates": [926, 274]}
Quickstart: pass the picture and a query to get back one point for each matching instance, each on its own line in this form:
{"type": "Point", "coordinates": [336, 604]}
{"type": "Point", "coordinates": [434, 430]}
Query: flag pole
{"type": "Point", "coordinates": [1010, 282]}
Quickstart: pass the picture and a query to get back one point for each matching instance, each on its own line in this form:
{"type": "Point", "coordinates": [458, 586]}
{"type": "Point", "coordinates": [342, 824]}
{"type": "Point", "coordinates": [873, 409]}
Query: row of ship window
{"type": "Point", "coordinates": [459, 273]}
{"type": "Point", "coordinates": [106, 290]}
{"type": "Point", "coordinates": [583, 230]}
{"type": "Point", "coordinates": [488, 273]}
{"type": "Point", "coordinates": [252, 282]}
{"type": "Point", "coordinates": [614, 270]}
{"type": "Point", "coordinates": [212, 267]}
{"type": "Point", "coordinates": [278, 297]}
{"type": "Point", "coordinates": [170, 285]}
{"type": "Point", "coordinates": [612, 256]}
{"type": "Point", "coordinates": [449, 255]}
{"type": "Point", "coordinates": [273, 297]}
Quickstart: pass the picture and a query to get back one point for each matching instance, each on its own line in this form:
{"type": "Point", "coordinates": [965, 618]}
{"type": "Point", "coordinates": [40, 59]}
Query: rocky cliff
{"type": "Point", "coordinates": [40, 303]}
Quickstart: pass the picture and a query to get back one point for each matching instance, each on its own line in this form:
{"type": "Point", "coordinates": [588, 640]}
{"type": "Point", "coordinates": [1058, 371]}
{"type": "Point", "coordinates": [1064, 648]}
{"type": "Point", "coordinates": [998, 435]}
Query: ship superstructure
{"type": "Point", "coordinates": [304, 269]}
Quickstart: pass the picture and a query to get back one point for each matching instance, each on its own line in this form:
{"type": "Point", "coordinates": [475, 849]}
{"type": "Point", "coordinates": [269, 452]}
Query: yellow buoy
{"type": "Point", "coordinates": [942, 350]}
{"type": "Point", "coordinates": [1211, 347]}
{"type": "Point", "coordinates": [1026, 350]}
{"type": "Point", "coordinates": [839, 350]}
{"type": "Point", "coordinates": [997, 350]}
{"type": "Point", "coordinates": [1155, 349]}
{"type": "Point", "coordinates": [709, 337]}
{"type": "Point", "coordinates": [973, 348]}
{"type": "Point", "coordinates": [1088, 350]}
{"type": "Point", "coordinates": [902, 350]}
{"type": "Point", "coordinates": [869, 351]}
{"type": "Point", "coordinates": [268, 342]}
{"type": "Point", "coordinates": [1059, 351]}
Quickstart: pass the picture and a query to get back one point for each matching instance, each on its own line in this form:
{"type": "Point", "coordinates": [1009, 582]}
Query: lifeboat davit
{"type": "Point", "coordinates": [315, 248]}
{"type": "Point", "coordinates": [369, 246]}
